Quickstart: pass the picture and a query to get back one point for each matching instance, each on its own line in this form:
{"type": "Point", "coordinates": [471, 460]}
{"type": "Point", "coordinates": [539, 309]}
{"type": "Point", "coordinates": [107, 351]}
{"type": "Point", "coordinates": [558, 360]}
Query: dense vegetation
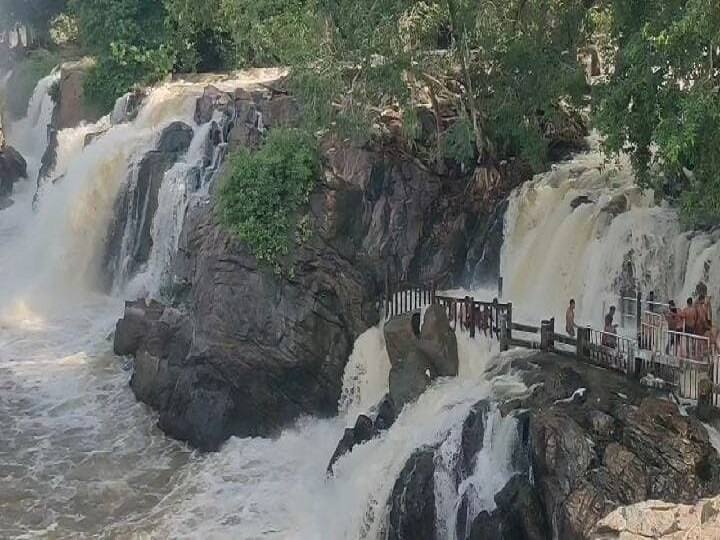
{"type": "Point", "coordinates": [264, 192]}
{"type": "Point", "coordinates": [662, 103]}
{"type": "Point", "coordinates": [467, 82]}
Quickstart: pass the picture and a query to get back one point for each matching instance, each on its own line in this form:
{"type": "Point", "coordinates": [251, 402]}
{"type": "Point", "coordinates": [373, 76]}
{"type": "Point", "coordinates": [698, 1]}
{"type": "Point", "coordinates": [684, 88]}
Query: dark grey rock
{"type": "Point", "coordinates": [409, 378]}
{"type": "Point", "coordinates": [580, 200]}
{"type": "Point", "coordinates": [12, 168]}
{"type": "Point", "coordinates": [212, 100]}
{"type": "Point", "coordinates": [400, 339]}
{"type": "Point", "coordinates": [175, 138]}
{"type": "Point", "coordinates": [473, 435]}
{"type": "Point", "coordinates": [439, 343]}
{"type": "Point", "coordinates": [412, 502]}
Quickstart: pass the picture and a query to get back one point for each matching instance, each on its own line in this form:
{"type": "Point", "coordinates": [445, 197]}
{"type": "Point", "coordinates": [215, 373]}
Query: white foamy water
{"type": "Point", "coordinates": [80, 458]}
{"type": "Point", "coordinates": [29, 136]}
{"type": "Point", "coordinates": [554, 252]}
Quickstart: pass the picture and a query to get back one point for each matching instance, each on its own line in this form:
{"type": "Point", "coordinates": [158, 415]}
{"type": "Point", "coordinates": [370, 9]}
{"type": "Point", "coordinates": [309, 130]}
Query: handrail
{"type": "Point", "coordinates": [681, 360]}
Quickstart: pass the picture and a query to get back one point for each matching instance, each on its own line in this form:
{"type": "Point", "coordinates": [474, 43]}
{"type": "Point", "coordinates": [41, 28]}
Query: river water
{"type": "Point", "coordinates": [80, 458]}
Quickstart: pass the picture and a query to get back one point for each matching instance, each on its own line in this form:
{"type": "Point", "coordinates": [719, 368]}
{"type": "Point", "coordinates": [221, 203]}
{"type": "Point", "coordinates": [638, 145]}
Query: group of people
{"type": "Point", "coordinates": [695, 319]}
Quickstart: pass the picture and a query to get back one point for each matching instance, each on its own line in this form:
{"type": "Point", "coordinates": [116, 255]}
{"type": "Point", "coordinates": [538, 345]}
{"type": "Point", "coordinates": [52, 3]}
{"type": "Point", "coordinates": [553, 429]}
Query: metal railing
{"type": "Point", "coordinates": [687, 364]}
{"type": "Point", "coordinates": [407, 300]}
{"type": "Point", "coordinates": [607, 349]}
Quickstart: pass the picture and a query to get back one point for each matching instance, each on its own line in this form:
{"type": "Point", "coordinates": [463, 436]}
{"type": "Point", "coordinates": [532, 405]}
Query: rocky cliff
{"type": "Point", "coordinates": [588, 442]}
{"type": "Point", "coordinates": [253, 349]}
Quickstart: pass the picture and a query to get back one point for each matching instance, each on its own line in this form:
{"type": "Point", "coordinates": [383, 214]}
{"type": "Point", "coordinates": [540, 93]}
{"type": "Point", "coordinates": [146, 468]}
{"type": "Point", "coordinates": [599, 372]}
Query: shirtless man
{"type": "Point", "coordinates": [689, 316]}
{"type": "Point", "coordinates": [570, 319]}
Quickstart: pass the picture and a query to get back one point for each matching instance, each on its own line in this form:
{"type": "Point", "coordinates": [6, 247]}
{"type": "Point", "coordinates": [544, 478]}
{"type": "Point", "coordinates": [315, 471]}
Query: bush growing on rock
{"type": "Point", "coordinates": [264, 191]}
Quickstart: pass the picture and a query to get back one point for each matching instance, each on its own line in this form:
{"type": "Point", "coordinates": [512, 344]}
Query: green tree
{"type": "Point", "coordinates": [505, 67]}
{"type": "Point", "coordinates": [662, 103]}
{"type": "Point", "coordinates": [129, 41]}
{"type": "Point", "coordinates": [263, 193]}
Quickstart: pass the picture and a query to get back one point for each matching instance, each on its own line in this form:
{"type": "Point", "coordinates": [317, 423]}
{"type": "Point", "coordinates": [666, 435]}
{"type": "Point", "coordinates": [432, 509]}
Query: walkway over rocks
{"type": "Point", "coordinates": [686, 364]}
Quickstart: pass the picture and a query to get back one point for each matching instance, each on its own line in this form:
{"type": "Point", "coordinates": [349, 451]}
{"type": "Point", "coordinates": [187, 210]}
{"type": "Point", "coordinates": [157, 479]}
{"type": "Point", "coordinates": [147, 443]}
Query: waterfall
{"type": "Point", "coordinates": [29, 135]}
{"type": "Point", "coordinates": [584, 230]}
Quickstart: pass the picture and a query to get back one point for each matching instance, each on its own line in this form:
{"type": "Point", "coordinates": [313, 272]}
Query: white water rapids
{"type": "Point", "coordinates": [80, 458]}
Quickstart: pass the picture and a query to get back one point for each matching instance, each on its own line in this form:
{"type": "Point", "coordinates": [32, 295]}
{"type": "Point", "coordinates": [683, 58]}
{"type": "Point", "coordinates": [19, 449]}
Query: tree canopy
{"type": "Point", "coordinates": [465, 80]}
{"type": "Point", "coordinates": [662, 102]}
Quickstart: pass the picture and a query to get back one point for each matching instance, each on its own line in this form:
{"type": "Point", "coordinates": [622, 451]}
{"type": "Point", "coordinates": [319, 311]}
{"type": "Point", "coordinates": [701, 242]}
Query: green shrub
{"type": "Point", "coordinates": [24, 79]}
{"type": "Point", "coordinates": [264, 191]}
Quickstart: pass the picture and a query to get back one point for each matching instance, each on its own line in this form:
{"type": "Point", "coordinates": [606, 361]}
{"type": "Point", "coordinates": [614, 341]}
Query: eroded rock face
{"type": "Point", "coordinates": [622, 445]}
{"type": "Point", "coordinates": [519, 515]}
{"type": "Point", "coordinates": [136, 207]}
{"type": "Point", "coordinates": [275, 345]}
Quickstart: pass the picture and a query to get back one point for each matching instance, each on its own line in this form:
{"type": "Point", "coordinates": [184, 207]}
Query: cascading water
{"type": "Point", "coordinates": [29, 136]}
{"type": "Point", "coordinates": [585, 231]}
{"type": "Point", "coordinates": [80, 458]}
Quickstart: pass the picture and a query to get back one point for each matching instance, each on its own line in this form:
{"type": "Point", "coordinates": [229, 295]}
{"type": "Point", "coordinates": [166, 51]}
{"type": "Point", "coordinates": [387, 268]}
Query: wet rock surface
{"type": "Point", "coordinates": [273, 346]}
{"type": "Point", "coordinates": [412, 503]}
{"type": "Point", "coordinates": [623, 444]}
{"type": "Point", "coordinates": [416, 359]}
{"type": "Point", "coordinates": [12, 168]}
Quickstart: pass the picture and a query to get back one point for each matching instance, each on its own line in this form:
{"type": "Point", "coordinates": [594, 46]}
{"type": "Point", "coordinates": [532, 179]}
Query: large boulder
{"type": "Point", "coordinates": [400, 338]}
{"type": "Point", "coordinates": [175, 138]}
{"type": "Point", "coordinates": [409, 378]}
{"type": "Point", "coordinates": [134, 327]}
{"type": "Point", "coordinates": [661, 521]}
{"type": "Point", "coordinates": [417, 357]}
{"type": "Point", "coordinates": [12, 168]}
{"type": "Point", "coordinates": [412, 502]}
{"type": "Point", "coordinates": [438, 342]}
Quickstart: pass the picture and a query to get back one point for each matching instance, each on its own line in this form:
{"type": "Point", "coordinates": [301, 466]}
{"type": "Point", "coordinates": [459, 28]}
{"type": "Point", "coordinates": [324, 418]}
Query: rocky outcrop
{"type": "Point", "coordinates": [661, 521]}
{"type": "Point", "coordinates": [364, 430]}
{"type": "Point", "coordinates": [619, 446]}
{"type": "Point", "coordinates": [416, 357]}
{"type": "Point", "coordinates": [412, 503]}
{"type": "Point", "coordinates": [273, 346]}
{"type": "Point", "coordinates": [12, 168]}
{"type": "Point", "coordinates": [131, 230]}
{"type": "Point", "coordinates": [519, 515]}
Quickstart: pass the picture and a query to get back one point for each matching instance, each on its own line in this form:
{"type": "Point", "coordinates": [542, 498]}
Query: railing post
{"type": "Point", "coordinates": [509, 321]}
{"type": "Point", "coordinates": [622, 310]}
{"type": "Point", "coordinates": [471, 307]}
{"type": "Point", "coordinates": [503, 328]}
{"type": "Point", "coordinates": [583, 339]}
{"type": "Point", "coordinates": [638, 312]}
{"type": "Point", "coordinates": [547, 335]}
